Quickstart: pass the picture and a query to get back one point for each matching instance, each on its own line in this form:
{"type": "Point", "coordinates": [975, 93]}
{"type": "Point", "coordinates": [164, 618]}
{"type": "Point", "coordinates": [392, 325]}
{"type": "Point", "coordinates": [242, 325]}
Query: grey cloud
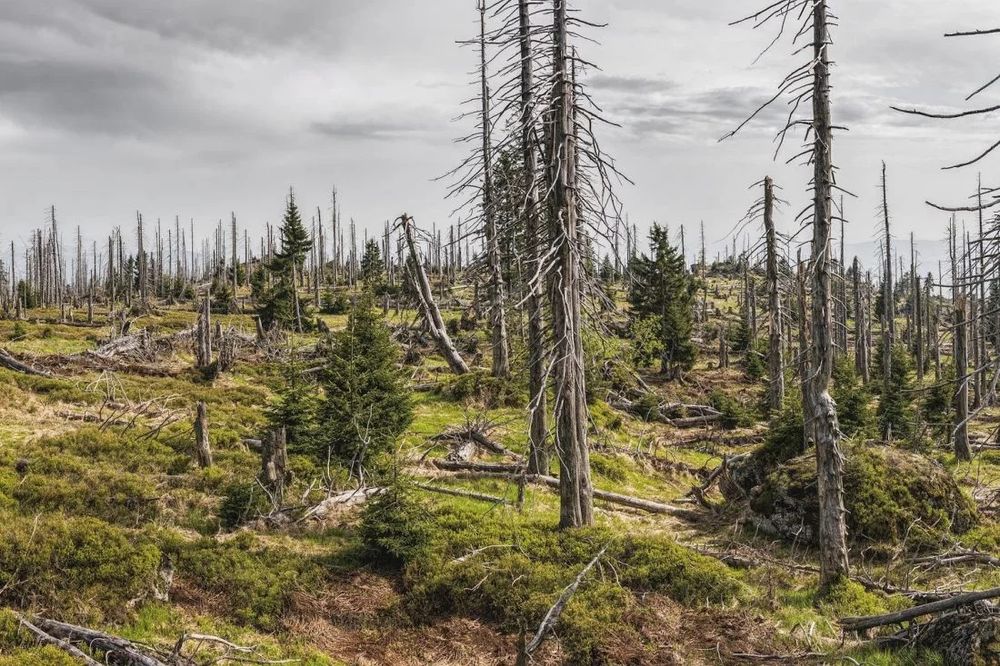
{"type": "Point", "coordinates": [630, 84]}
{"type": "Point", "coordinates": [242, 26]}
{"type": "Point", "coordinates": [373, 128]}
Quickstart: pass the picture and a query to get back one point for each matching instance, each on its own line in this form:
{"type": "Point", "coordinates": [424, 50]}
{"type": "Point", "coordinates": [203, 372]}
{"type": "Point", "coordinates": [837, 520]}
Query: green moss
{"type": "Point", "coordinates": [846, 598]}
{"type": "Point", "coordinates": [255, 581]}
{"type": "Point", "coordinates": [594, 618]}
{"type": "Point", "coordinates": [77, 567]}
{"type": "Point", "coordinates": [890, 496]}
{"type": "Point", "coordinates": [43, 656]}
{"type": "Point", "coordinates": [612, 468]}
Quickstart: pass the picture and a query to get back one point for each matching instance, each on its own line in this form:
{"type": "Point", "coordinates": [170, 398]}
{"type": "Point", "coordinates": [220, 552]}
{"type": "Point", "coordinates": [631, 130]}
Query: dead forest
{"type": "Point", "coordinates": [535, 433]}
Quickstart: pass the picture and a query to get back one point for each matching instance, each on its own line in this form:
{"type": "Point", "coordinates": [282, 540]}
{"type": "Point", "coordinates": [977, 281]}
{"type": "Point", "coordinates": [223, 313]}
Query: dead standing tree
{"type": "Point", "coordinates": [475, 175]}
{"type": "Point", "coordinates": [810, 84]}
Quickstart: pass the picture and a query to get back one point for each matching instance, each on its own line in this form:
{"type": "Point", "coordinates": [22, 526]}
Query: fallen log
{"type": "Point", "coordinates": [872, 621]}
{"type": "Point", "coordinates": [117, 650]}
{"type": "Point", "coordinates": [461, 466]}
{"type": "Point", "coordinates": [66, 646]}
{"type": "Point", "coordinates": [11, 363]}
{"type": "Point", "coordinates": [552, 482]}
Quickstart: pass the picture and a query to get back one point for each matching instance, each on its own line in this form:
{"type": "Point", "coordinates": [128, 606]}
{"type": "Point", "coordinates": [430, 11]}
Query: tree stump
{"type": "Point", "coordinates": [203, 451]}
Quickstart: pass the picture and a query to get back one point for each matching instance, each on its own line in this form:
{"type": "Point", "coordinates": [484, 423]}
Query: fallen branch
{"type": "Point", "coordinates": [461, 493]}
{"type": "Point", "coordinates": [871, 621]}
{"type": "Point", "coordinates": [552, 616]}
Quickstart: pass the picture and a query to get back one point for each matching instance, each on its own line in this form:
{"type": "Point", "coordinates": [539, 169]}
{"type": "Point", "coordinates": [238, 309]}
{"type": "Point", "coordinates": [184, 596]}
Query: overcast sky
{"type": "Point", "coordinates": [199, 107]}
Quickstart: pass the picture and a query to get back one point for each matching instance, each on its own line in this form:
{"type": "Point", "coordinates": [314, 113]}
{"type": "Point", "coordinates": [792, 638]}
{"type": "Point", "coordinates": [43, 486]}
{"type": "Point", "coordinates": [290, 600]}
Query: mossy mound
{"type": "Point", "coordinates": [891, 497]}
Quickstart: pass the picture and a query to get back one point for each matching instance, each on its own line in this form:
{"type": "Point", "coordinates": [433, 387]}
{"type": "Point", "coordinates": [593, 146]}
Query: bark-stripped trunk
{"type": "Point", "coordinates": [860, 334]}
{"type": "Point", "coordinates": [829, 461]}
{"type": "Point", "coordinates": [501, 356]}
{"type": "Point", "coordinates": [430, 309]}
{"type": "Point", "coordinates": [776, 364]}
{"type": "Point", "coordinates": [538, 454]}
{"type": "Point", "coordinates": [575, 491]}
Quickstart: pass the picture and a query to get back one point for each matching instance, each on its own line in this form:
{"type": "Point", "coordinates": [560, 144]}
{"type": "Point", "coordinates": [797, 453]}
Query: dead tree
{"type": "Point", "coordinates": [575, 489]}
{"type": "Point", "coordinates": [432, 315]}
{"type": "Point", "coordinates": [203, 335]}
{"type": "Point", "coordinates": [538, 455]}
{"type": "Point", "coordinates": [275, 475]}
{"type": "Point", "coordinates": [861, 364]}
{"type": "Point", "coordinates": [810, 83]}
{"type": "Point", "coordinates": [961, 353]}
{"type": "Point", "coordinates": [500, 345]}
{"type": "Point", "coordinates": [888, 296]}
{"type": "Point", "coordinates": [203, 451]}
{"type": "Point", "coordinates": [776, 364]}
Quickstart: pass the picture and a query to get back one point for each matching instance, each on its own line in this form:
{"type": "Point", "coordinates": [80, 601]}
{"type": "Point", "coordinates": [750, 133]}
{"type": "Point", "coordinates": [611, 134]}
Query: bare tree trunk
{"type": "Point", "coordinates": [829, 461]}
{"type": "Point", "coordinates": [860, 334]}
{"type": "Point", "coordinates": [888, 298]}
{"type": "Point", "coordinates": [538, 454]}
{"type": "Point", "coordinates": [917, 305]}
{"type": "Point", "coordinates": [776, 364]}
{"type": "Point", "coordinates": [203, 451]}
{"type": "Point", "coordinates": [499, 342]}
{"type": "Point", "coordinates": [431, 312]}
{"type": "Point", "coordinates": [803, 351]}
{"type": "Point", "coordinates": [575, 490]}
{"type": "Point", "coordinates": [961, 352]}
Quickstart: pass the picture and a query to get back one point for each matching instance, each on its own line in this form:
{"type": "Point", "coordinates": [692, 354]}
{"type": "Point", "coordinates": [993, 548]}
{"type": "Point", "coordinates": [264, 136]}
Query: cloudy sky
{"type": "Point", "coordinates": [201, 107]}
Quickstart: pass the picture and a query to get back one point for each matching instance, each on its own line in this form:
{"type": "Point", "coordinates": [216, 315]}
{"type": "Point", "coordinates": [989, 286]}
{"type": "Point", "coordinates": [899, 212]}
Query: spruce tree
{"type": "Point", "coordinates": [663, 291]}
{"type": "Point", "coordinates": [372, 266]}
{"type": "Point", "coordinates": [278, 304]}
{"type": "Point", "coordinates": [366, 405]}
{"type": "Point", "coordinates": [295, 409]}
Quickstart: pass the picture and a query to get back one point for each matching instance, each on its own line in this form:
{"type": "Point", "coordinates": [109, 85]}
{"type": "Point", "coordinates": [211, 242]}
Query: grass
{"type": "Point", "coordinates": [140, 498]}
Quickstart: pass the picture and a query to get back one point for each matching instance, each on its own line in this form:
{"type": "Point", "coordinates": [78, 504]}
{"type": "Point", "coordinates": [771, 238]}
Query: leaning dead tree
{"type": "Point", "coordinates": [809, 84]}
{"type": "Point", "coordinates": [431, 312]}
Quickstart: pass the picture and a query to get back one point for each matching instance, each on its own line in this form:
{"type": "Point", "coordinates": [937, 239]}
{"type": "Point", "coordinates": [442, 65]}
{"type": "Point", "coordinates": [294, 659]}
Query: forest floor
{"type": "Point", "coordinates": [99, 497]}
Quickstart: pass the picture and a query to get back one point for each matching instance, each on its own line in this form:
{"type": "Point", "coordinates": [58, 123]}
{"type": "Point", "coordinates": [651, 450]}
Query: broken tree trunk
{"type": "Point", "coordinates": [203, 451]}
{"type": "Point", "coordinates": [274, 471]}
{"type": "Point", "coordinates": [432, 314]}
